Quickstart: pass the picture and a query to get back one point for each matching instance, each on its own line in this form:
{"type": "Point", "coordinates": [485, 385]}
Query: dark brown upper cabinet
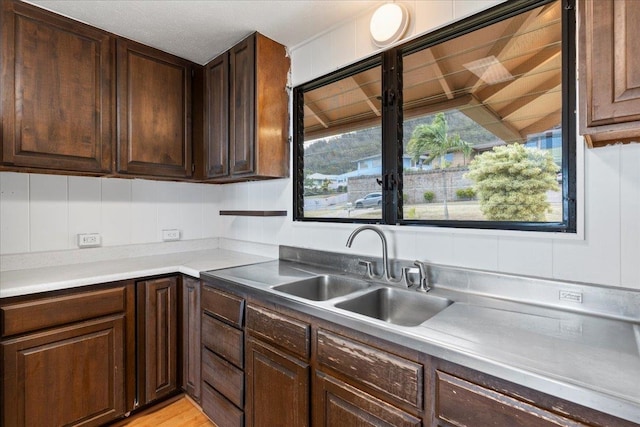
{"type": "Point", "coordinates": [216, 142]}
{"type": "Point", "coordinates": [58, 97]}
{"type": "Point", "coordinates": [609, 71]}
{"type": "Point", "coordinates": [154, 112]}
{"type": "Point", "coordinates": [246, 116]}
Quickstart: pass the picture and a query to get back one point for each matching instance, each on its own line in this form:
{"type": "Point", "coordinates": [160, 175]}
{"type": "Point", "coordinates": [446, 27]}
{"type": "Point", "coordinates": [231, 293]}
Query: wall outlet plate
{"type": "Point", "coordinates": [89, 240]}
{"type": "Point", "coordinates": [169, 235]}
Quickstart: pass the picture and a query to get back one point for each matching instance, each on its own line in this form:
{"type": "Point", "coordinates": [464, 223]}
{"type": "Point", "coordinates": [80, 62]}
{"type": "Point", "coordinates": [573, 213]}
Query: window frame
{"type": "Point", "coordinates": [392, 122]}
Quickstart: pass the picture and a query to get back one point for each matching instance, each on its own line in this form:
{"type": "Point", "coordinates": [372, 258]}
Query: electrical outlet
{"type": "Point", "coordinates": [571, 296]}
{"type": "Point", "coordinates": [169, 235]}
{"type": "Point", "coordinates": [89, 240]}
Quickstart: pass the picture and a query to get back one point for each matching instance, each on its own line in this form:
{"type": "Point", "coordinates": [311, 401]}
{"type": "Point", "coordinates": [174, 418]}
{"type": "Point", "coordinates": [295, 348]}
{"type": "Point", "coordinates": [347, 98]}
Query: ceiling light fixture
{"type": "Point", "coordinates": [489, 69]}
{"type": "Point", "coordinates": [388, 24]}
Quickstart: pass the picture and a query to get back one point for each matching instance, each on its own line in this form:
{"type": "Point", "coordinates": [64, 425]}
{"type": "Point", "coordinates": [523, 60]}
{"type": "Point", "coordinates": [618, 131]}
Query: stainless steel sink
{"type": "Point", "coordinates": [396, 306]}
{"type": "Point", "coordinates": [322, 288]}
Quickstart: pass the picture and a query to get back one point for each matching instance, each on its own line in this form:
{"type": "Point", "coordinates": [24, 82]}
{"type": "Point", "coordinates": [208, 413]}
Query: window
{"type": "Point", "coordinates": [470, 126]}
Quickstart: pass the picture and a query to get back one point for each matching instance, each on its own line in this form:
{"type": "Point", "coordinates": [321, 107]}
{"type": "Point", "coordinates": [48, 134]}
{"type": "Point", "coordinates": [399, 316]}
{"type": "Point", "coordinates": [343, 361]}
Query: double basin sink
{"type": "Point", "coordinates": [394, 305]}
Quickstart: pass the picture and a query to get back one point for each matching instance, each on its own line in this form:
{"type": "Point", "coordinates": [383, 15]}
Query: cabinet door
{"type": "Point", "coordinates": [154, 97]}
{"type": "Point", "coordinates": [58, 99]}
{"type": "Point", "coordinates": [242, 108]}
{"type": "Point", "coordinates": [72, 376]}
{"type": "Point", "coordinates": [216, 144]}
{"type": "Point", "coordinates": [337, 404]}
{"type": "Point", "coordinates": [277, 387]}
{"type": "Point", "coordinates": [157, 344]}
{"type": "Point", "coordinates": [191, 337]}
{"type": "Point", "coordinates": [610, 69]}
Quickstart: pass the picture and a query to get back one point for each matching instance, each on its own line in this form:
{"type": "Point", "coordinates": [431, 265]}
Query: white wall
{"type": "Point", "coordinates": [45, 212]}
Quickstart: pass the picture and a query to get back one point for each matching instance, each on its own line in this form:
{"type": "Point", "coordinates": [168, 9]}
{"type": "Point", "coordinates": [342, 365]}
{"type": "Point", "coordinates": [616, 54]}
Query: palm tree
{"type": "Point", "coordinates": [434, 141]}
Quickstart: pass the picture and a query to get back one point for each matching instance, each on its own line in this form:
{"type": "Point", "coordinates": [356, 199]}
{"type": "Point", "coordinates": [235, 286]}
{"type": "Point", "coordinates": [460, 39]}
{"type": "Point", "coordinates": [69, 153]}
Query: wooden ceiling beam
{"type": "Point", "coordinates": [367, 93]}
{"type": "Point", "coordinates": [317, 114]}
{"type": "Point", "coordinates": [439, 71]}
{"type": "Point", "coordinates": [545, 123]}
{"type": "Point", "coordinates": [489, 119]}
{"type": "Point", "coordinates": [550, 85]}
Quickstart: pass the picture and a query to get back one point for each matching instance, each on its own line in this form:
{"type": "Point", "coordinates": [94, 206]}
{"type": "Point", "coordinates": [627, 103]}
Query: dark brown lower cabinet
{"type": "Point", "coordinates": [337, 404]}
{"type": "Point", "coordinates": [191, 352]}
{"type": "Point", "coordinates": [222, 412]}
{"type": "Point", "coordinates": [64, 357]}
{"type": "Point", "coordinates": [67, 376]}
{"type": "Point", "coordinates": [300, 370]}
{"type": "Point", "coordinates": [463, 403]}
{"type": "Point", "coordinates": [222, 357]}
{"type": "Point", "coordinates": [157, 338]}
{"type": "Point", "coordinates": [277, 387]}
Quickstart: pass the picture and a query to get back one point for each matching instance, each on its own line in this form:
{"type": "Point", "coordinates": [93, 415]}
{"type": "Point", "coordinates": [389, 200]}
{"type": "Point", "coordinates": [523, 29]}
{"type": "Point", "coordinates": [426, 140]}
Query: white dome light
{"type": "Point", "coordinates": [388, 24]}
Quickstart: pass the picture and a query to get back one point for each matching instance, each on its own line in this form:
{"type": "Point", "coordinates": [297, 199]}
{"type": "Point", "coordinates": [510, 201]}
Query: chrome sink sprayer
{"type": "Point", "coordinates": [386, 268]}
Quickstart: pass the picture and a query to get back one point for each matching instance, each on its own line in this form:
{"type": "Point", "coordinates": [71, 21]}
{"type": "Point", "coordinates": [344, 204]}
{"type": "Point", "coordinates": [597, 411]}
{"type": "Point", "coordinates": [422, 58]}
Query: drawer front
{"type": "Point", "coordinates": [222, 412]}
{"type": "Point", "coordinates": [463, 403]}
{"type": "Point", "coordinates": [50, 312]}
{"type": "Point", "coordinates": [282, 331]}
{"type": "Point", "coordinates": [222, 305]}
{"type": "Point", "coordinates": [393, 375]}
{"type": "Point", "coordinates": [223, 339]}
{"type": "Point", "coordinates": [224, 377]}
{"type": "Point", "coordinates": [339, 404]}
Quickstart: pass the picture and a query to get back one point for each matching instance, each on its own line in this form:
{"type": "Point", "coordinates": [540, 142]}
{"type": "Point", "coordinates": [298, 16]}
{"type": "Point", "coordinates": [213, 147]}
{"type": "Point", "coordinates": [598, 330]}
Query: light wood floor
{"type": "Point", "coordinates": [178, 413]}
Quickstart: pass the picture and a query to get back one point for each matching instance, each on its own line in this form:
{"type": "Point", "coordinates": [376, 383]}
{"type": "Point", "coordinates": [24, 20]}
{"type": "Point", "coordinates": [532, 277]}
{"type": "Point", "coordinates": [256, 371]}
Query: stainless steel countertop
{"type": "Point", "coordinates": [590, 360]}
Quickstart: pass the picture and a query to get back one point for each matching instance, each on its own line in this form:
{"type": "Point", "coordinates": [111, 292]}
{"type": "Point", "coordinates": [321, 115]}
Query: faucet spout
{"type": "Point", "coordinates": [386, 271]}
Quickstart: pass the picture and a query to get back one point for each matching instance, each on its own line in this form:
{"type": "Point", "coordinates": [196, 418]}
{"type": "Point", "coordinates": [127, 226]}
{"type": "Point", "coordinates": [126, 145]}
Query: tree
{"type": "Point", "coordinates": [512, 182]}
{"type": "Point", "coordinates": [434, 141]}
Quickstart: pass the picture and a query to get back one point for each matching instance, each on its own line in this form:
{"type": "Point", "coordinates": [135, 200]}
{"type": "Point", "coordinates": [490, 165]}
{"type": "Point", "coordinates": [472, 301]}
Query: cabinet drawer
{"type": "Point", "coordinates": [50, 312]}
{"type": "Point", "coordinates": [339, 404]}
{"type": "Point", "coordinates": [223, 339]}
{"type": "Point", "coordinates": [222, 412]}
{"type": "Point", "coordinates": [285, 332]}
{"type": "Point", "coordinates": [395, 376]}
{"type": "Point", "coordinates": [222, 305]}
{"type": "Point", "coordinates": [463, 403]}
{"type": "Point", "coordinates": [224, 377]}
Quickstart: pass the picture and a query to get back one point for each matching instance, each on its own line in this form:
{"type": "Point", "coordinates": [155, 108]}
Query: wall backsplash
{"type": "Point", "coordinates": [46, 212]}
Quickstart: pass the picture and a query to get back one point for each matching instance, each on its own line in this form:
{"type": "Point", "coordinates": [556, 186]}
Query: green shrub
{"type": "Point", "coordinates": [429, 196]}
{"type": "Point", "coordinates": [512, 182]}
{"type": "Point", "coordinates": [465, 193]}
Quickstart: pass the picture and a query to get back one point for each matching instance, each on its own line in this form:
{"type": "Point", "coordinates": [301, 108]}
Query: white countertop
{"type": "Point", "coordinates": [30, 281]}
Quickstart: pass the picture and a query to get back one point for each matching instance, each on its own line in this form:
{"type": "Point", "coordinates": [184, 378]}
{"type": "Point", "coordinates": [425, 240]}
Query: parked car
{"type": "Point", "coordinates": [371, 199]}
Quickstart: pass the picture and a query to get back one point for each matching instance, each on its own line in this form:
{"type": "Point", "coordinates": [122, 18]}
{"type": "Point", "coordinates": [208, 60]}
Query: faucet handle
{"type": "Point", "coordinates": [424, 276]}
{"type": "Point", "coordinates": [406, 271]}
{"type": "Point", "coordinates": [369, 266]}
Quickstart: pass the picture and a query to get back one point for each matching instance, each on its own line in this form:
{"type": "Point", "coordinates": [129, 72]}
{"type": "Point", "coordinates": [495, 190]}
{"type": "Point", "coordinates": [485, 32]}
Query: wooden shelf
{"type": "Point", "coordinates": [253, 213]}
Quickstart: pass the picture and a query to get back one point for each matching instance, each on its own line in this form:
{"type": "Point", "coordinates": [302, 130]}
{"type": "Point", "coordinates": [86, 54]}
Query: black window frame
{"type": "Point", "coordinates": [392, 122]}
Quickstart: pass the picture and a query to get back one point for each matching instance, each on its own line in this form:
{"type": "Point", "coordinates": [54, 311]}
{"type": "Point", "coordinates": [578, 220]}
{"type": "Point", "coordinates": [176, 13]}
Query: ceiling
{"type": "Point", "coordinates": [506, 78]}
{"type": "Point", "coordinates": [199, 30]}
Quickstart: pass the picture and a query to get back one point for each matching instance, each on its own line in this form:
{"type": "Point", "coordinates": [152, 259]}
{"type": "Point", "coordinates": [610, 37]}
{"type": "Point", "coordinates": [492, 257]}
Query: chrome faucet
{"type": "Point", "coordinates": [386, 268]}
{"type": "Point", "coordinates": [386, 274]}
